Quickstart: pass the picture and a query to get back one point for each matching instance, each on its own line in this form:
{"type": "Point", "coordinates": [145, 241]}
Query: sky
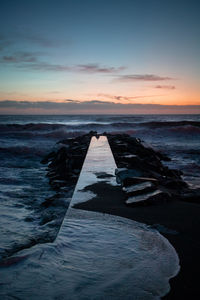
{"type": "Point", "coordinates": [97, 56]}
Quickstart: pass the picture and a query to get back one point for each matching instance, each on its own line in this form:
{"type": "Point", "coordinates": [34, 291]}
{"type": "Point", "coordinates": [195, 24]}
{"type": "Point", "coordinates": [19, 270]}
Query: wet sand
{"type": "Point", "coordinates": [181, 227]}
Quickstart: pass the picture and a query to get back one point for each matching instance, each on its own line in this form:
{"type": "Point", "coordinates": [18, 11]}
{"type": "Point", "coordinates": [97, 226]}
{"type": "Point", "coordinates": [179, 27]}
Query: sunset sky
{"type": "Point", "coordinates": [96, 56]}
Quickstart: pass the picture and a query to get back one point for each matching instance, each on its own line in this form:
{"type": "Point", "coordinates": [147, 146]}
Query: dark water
{"type": "Point", "coordinates": [24, 140]}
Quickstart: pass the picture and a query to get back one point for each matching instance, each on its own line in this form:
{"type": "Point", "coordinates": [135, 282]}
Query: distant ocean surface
{"type": "Point", "coordinates": [24, 140]}
{"type": "Point", "coordinates": [33, 136]}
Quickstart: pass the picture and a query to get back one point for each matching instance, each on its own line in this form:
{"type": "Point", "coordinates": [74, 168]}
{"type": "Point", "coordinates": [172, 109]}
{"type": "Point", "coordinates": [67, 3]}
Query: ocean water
{"type": "Point", "coordinates": [25, 224]}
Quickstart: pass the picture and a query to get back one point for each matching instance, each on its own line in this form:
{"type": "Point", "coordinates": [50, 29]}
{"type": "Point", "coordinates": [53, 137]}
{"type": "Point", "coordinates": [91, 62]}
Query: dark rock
{"type": "Point", "coordinates": [65, 164]}
{"type": "Point", "coordinates": [172, 173]}
{"type": "Point", "coordinates": [122, 174]}
{"type": "Point", "coordinates": [48, 157]}
{"type": "Point", "coordinates": [136, 165]}
{"type": "Point", "coordinates": [173, 183]}
{"type": "Point", "coordinates": [137, 161]}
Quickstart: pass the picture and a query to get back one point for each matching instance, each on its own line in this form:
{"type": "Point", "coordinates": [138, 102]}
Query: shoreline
{"type": "Point", "coordinates": [174, 213]}
{"type": "Point", "coordinates": [181, 225]}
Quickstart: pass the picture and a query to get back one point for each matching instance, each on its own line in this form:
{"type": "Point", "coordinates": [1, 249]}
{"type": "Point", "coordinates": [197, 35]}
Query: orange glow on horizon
{"type": "Point", "coordinates": [130, 94]}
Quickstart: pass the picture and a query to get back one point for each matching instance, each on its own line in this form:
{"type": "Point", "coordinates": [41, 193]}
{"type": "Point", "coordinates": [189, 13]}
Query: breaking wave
{"type": "Point", "coordinates": [60, 130]}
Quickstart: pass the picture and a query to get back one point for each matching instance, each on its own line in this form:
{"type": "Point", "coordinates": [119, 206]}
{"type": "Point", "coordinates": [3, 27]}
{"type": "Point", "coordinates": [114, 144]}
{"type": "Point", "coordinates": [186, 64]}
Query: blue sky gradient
{"type": "Point", "coordinates": [100, 50]}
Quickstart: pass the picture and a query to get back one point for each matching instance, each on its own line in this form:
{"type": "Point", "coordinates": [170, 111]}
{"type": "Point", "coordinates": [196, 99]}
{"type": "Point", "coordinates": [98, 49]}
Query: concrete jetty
{"type": "Point", "coordinates": [99, 165]}
{"type": "Point", "coordinates": [107, 244]}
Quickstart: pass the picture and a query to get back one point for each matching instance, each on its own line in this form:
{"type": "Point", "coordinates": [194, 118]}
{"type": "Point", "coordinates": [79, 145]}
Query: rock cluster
{"type": "Point", "coordinates": [64, 165]}
{"type": "Point", "coordinates": [143, 176]}
{"type": "Point", "coordinates": [141, 172]}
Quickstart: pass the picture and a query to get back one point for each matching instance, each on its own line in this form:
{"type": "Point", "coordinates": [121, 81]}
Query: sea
{"type": "Point", "coordinates": [26, 225]}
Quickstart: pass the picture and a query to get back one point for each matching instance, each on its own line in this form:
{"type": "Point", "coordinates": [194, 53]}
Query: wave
{"type": "Point", "coordinates": [30, 127]}
{"type": "Point", "coordinates": [187, 129]}
{"type": "Point", "coordinates": [83, 125]}
{"type": "Point", "coordinates": [48, 133]}
{"type": "Point", "coordinates": [170, 124]}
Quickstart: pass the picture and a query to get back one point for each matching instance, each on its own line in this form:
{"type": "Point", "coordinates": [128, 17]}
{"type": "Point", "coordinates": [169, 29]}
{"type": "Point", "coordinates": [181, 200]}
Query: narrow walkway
{"type": "Point", "coordinates": [99, 165]}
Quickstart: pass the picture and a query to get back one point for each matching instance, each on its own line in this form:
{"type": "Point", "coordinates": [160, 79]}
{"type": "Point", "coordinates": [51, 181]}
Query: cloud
{"type": "Point", "coordinates": [114, 97]}
{"type": "Point", "coordinates": [122, 98]}
{"type": "Point", "coordinates": [14, 38]}
{"type": "Point", "coordinates": [30, 61]}
{"type": "Point", "coordinates": [94, 106]}
{"type": "Point", "coordinates": [70, 100]}
{"type": "Point", "coordinates": [19, 57]}
{"type": "Point", "coordinates": [89, 68]}
{"type": "Point", "coordinates": [142, 77]}
{"type": "Point", "coordinates": [96, 68]}
{"type": "Point", "coordinates": [44, 66]}
{"type": "Point", "coordinates": [165, 87]}
{"type": "Point", "coordinates": [66, 104]}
